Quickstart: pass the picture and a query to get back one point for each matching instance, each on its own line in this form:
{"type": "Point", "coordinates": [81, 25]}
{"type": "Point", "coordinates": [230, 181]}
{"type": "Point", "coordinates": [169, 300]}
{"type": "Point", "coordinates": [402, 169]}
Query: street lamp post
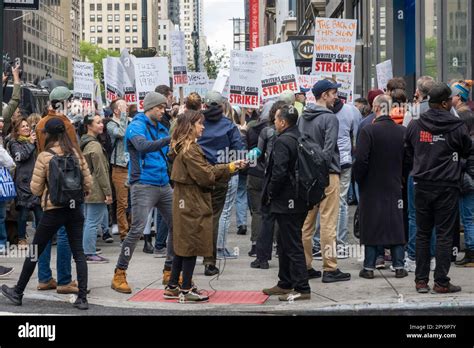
{"type": "Point", "coordinates": [195, 37]}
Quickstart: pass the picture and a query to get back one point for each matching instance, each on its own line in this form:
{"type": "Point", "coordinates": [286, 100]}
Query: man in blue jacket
{"type": "Point", "coordinates": [221, 143]}
{"type": "Point", "coordinates": [147, 143]}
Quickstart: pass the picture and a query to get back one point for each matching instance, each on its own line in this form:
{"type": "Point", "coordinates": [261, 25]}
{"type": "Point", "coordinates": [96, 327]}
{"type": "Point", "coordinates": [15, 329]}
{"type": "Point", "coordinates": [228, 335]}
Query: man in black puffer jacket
{"type": "Point", "coordinates": [436, 142]}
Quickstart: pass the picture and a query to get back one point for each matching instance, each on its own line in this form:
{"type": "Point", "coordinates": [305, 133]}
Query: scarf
{"type": "Point", "coordinates": [23, 139]}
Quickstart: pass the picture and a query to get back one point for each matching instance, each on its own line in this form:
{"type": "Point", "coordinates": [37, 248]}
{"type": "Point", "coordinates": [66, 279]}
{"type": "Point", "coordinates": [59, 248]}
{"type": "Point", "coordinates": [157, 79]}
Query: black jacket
{"type": "Point", "coordinates": [24, 155]}
{"type": "Point", "coordinates": [166, 120]}
{"type": "Point", "coordinates": [322, 126]}
{"type": "Point", "coordinates": [435, 143]}
{"type": "Point", "coordinates": [468, 172]}
{"type": "Point", "coordinates": [279, 189]}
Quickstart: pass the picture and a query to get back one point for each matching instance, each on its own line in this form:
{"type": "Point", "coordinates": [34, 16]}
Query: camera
{"type": "Point", "coordinates": [8, 66]}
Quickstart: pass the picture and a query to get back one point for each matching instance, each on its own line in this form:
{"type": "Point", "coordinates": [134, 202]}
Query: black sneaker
{"type": "Point", "coordinates": [242, 230]}
{"type": "Point", "coordinates": [317, 255]}
{"type": "Point", "coordinates": [81, 303]}
{"type": "Point", "coordinates": [335, 276]}
{"type": "Point", "coordinates": [366, 274]}
{"type": "Point", "coordinates": [5, 271]}
{"type": "Point", "coordinates": [260, 264]}
{"type": "Point", "coordinates": [106, 237]}
{"type": "Point", "coordinates": [211, 270]}
{"type": "Point", "coordinates": [313, 274]}
{"type": "Point", "coordinates": [253, 251]}
{"type": "Point", "coordinates": [12, 295]}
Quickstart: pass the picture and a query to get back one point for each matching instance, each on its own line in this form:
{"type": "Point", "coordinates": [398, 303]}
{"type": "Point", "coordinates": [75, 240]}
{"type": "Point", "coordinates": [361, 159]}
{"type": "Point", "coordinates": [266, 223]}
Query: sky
{"type": "Point", "coordinates": [217, 26]}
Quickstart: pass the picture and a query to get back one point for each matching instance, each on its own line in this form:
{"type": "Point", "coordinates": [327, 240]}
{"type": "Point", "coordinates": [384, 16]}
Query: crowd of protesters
{"type": "Point", "coordinates": [177, 171]}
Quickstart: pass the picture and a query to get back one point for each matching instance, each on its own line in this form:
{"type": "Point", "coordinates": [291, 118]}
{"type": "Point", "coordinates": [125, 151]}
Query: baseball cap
{"type": "Point", "coordinates": [213, 98]}
{"type": "Point", "coordinates": [60, 94]}
{"type": "Point", "coordinates": [323, 86]}
{"type": "Point", "coordinates": [440, 92]}
{"type": "Point", "coordinates": [54, 126]}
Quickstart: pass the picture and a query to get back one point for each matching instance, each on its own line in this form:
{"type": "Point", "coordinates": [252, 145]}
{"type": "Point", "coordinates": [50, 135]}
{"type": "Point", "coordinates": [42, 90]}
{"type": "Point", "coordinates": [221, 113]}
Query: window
{"type": "Point", "coordinates": [127, 39]}
{"type": "Point", "coordinates": [92, 7]}
{"type": "Point", "coordinates": [110, 18]}
{"type": "Point", "coordinates": [164, 37]}
{"type": "Point", "coordinates": [159, 37]}
{"type": "Point", "coordinates": [93, 40]}
{"type": "Point", "coordinates": [92, 18]}
{"type": "Point", "coordinates": [134, 7]}
{"type": "Point", "coordinates": [99, 18]}
{"type": "Point", "coordinates": [99, 40]}
{"type": "Point", "coordinates": [127, 7]}
{"type": "Point", "coordinates": [135, 28]}
{"type": "Point", "coordinates": [109, 7]}
{"type": "Point", "coordinates": [134, 17]}
{"type": "Point", "coordinates": [110, 29]}
{"type": "Point", "coordinates": [99, 28]}
{"type": "Point", "coordinates": [117, 39]}
{"type": "Point", "coordinates": [110, 39]}
{"type": "Point", "coordinates": [117, 18]}
{"type": "Point", "coordinates": [117, 7]}
{"type": "Point", "coordinates": [99, 7]}
{"type": "Point", "coordinates": [117, 28]}
{"type": "Point", "coordinates": [164, 48]}
{"type": "Point", "coordinates": [127, 18]}
{"type": "Point", "coordinates": [135, 39]}
{"type": "Point", "coordinates": [164, 26]}
{"type": "Point", "coordinates": [127, 28]}
{"type": "Point", "coordinates": [92, 29]}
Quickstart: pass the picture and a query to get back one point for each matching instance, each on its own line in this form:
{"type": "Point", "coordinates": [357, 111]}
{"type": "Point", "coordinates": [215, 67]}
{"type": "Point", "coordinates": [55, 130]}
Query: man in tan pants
{"type": "Point", "coordinates": [321, 125]}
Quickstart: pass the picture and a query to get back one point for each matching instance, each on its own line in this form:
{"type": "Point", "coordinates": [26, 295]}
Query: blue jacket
{"type": "Point", "coordinates": [220, 136]}
{"type": "Point", "coordinates": [144, 140]}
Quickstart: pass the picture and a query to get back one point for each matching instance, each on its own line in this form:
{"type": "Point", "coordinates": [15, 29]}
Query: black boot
{"type": "Point", "coordinates": [467, 260]}
{"type": "Point", "coordinates": [148, 247]}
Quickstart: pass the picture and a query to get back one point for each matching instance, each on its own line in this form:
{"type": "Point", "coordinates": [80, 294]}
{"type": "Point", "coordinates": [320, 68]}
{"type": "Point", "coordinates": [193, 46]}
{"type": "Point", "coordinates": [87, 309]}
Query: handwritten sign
{"type": "Point", "coordinates": [84, 84]}
{"type": "Point", "coordinates": [384, 73]}
{"type": "Point", "coordinates": [221, 84]}
{"type": "Point", "coordinates": [334, 52]}
{"type": "Point", "coordinates": [278, 70]}
{"type": "Point", "coordinates": [178, 58]}
{"type": "Point", "coordinates": [307, 82]}
{"type": "Point", "coordinates": [245, 78]}
{"type": "Point", "coordinates": [149, 73]}
{"type": "Point", "coordinates": [198, 82]}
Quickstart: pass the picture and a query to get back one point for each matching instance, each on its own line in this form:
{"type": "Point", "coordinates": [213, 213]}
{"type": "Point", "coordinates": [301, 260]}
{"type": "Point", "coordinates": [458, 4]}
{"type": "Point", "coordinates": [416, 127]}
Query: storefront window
{"type": "Point", "coordinates": [457, 39]}
{"type": "Point", "coordinates": [431, 39]}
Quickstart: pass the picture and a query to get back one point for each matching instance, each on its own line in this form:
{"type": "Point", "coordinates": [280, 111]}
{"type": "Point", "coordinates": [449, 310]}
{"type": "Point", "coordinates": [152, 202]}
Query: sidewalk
{"type": "Point", "coordinates": [353, 297]}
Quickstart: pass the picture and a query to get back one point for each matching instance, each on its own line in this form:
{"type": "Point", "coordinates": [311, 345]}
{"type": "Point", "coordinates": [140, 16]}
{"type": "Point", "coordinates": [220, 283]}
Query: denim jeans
{"type": "Point", "coordinates": [95, 215]}
{"type": "Point", "coordinates": [343, 220]}
{"type": "Point", "coordinates": [467, 216]}
{"type": "Point", "coordinates": [224, 221]}
{"type": "Point", "coordinates": [63, 260]}
{"type": "Point", "coordinates": [242, 203]}
{"type": "Point", "coordinates": [161, 228]}
{"type": "Point", "coordinates": [371, 253]}
{"type": "Point", "coordinates": [23, 217]}
{"type": "Point", "coordinates": [317, 235]}
{"type": "Point", "coordinates": [3, 229]}
{"type": "Point", "coordinates": [411, 245]}
{"type": "Point", "coordinates": [144, 199]}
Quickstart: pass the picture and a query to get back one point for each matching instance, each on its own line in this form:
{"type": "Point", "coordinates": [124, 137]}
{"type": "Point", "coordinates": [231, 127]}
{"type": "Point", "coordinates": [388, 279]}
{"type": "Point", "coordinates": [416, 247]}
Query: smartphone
{"type": "Point", "coordinates": [17, 62]}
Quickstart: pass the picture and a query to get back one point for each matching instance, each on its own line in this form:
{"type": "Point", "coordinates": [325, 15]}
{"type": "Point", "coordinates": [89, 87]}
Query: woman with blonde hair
{"type": "Point", "coordinates": [193, 179]}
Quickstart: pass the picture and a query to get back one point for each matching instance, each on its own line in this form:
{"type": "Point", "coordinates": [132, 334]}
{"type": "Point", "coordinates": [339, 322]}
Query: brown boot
{"type": "Point", "coordinates": [71, 288]}
{"type": "Point", "coordinates": [276, 290]}
{"type": "Point", "coordinates": [50, 285]}
{"type": "Point", "coordinates": [167, 277]}
{"type": "Point", "coordinates": [119, 283]}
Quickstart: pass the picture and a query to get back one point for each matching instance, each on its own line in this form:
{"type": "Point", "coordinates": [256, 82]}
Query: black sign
{"type": "Point", "coordinates": [303, 49]}
{"type": "Point", "coordinates": [21, 4]}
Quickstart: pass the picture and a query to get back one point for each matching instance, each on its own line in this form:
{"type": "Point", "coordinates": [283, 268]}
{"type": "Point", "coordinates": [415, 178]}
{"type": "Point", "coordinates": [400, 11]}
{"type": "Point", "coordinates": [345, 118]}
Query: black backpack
{"type": "Point", "coordinates": [65, 181]}
{"type": "Point", "coordinates": [312, 172]}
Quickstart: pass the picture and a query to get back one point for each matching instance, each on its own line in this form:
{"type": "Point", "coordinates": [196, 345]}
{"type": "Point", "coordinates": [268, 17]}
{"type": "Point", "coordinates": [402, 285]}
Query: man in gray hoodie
{"type": "Point", "coordinates": [320, 124]}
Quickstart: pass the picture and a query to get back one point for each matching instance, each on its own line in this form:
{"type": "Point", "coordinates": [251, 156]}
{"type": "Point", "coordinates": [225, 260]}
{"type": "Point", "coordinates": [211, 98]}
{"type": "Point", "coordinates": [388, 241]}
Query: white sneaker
{"type": "Point", "coordinates": [410, 265]}
{"type": "Point", "coordinates": [342, 252]}
{"type": "Point", "coordinates": [432, 264]}
{"type": "Point", "coordinates": [115, 230]}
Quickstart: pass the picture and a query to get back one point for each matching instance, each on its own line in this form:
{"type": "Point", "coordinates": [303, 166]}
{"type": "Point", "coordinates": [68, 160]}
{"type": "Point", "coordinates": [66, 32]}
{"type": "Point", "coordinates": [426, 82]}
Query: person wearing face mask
{"type": "Point", "coordinates": [147, 143]}
{"type": "Point", "coordinates": [95, 207]}
{"type": "Point", "coordinates": [435, 143]}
